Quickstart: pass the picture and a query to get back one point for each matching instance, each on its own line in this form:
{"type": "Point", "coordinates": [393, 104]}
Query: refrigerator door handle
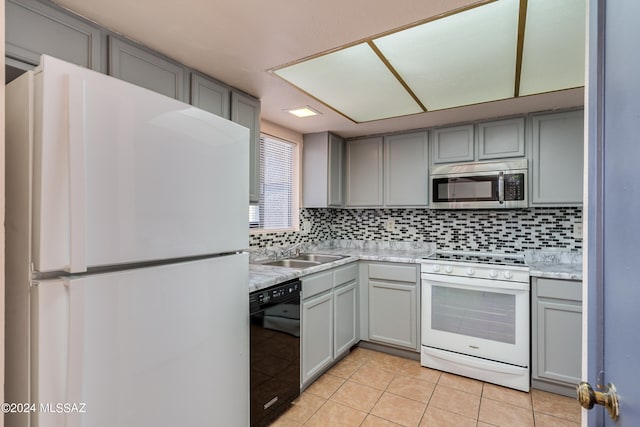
{"type": "Point", "coordinates": [77, 184]}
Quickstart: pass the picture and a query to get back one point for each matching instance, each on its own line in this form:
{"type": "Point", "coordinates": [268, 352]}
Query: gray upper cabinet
{"type": "Point", "coordinates": [500, 139]}
{"type": "Point", "coordinates": [364, 172]}
{"type": "Point", "coordinates": [210, 95]}
{"type": "Point", "coordinates": [322, 170]}
{"type": "Point", "coordinates": [33, 29]}
{"type": "Point", "coordinates": [453, 144]}
{"type": "Point", "coordinates": [140, 67]}
{"type": "Point", "coordinates": [556, 171]}
{"type": "Point", "coordinates": [406, 178]}
{"type": "Point", "coordinates": [245, 110]}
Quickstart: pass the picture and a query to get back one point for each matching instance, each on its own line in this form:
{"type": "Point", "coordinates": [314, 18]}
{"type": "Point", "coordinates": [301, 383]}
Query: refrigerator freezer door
{"type": "Point", "coordinates": [162, 346]}
{"type": "Point", "coordinates": [125, 175]}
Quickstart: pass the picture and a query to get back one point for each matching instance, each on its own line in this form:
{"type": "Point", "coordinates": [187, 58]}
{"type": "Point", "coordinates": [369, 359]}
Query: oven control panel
{"type": "Point", "coordinates": [473, 270]}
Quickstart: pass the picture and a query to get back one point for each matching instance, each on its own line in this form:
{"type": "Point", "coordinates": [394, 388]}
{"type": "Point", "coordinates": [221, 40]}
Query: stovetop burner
{"type": "Point", "coordinates": [478, 258]}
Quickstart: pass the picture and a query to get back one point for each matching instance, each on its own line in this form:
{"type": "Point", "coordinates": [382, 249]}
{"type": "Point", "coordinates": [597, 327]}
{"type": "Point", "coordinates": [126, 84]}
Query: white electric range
{"type": "Point", "coordinates": [475, 316]}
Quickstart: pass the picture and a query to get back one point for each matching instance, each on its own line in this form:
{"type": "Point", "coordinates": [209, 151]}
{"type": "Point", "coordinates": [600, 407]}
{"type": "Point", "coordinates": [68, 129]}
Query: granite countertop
{"type": "Point", "coordinates": [554, 264]}
{"type": "Point", "coordinates": [263, 276]}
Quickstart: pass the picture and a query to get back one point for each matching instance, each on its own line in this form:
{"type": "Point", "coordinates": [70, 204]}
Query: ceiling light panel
{"type": "Point", "coordinates": [461, 59]}
{"type": "Point", "coordinates": [553, 55]}
{"type": "Point", "coordinates": [302, 112]}
{"type": "Point", "coordinates": [353, 81]}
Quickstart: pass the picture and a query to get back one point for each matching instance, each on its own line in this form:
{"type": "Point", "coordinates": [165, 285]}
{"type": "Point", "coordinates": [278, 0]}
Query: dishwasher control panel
{"type": "Point", "coordinates": [274, 294]}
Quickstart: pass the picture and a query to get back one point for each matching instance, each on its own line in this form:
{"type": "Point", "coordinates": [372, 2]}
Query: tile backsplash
{"type": "Point", "coordinates": [506, 231]}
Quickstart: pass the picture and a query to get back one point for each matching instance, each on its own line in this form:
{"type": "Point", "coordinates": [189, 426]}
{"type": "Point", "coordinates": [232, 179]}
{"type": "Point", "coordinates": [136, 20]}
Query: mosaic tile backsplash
{"type": "Point", "coordinates": [507, 231]}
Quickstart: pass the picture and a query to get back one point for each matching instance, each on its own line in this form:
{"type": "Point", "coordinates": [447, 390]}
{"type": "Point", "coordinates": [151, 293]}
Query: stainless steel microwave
{"type": "Point", "coordinates": [483, 185]}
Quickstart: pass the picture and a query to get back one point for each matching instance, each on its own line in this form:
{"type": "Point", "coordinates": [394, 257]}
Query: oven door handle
{"type": "Point", "coordinates": [501, 188]}
{"type": "Point", "coordinates": [477, 285]}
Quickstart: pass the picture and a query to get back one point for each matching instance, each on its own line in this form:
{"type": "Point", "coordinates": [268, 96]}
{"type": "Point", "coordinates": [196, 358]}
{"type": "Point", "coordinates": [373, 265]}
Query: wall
{"type": "Point", "coordinates": [281, 132]}
{"type": "Point", "coordinates": [506, 231]}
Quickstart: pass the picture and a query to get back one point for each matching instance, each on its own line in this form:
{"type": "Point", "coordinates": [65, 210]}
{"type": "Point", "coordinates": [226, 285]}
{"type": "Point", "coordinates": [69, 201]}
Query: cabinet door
{"type": "Point", "coordinates": [392, 314]}
{"type": "Point", "coordinates": [135, 65]}
{"type": "Point", "coordinates": [33, 28]}
{"type": "Point", "coordinates": [246, 111]}
{"type": "Point", "coordinates": [559, 342]}
{"type": "Point", "coordinates": [406, 179]}
{"type": "Point", "coordinates": [364, 172]}
{"type": "Point", "coordinates": [557, 159]}
{"type": "Point", "coordinates": [345, 303]}
{"type": "Point", "coordinates": [500, 139]}
{"type": "Point", "coordinates": [453, 144]}
{"type": "Point", "coordinates": [335, 187]}
{"type": "Point", "coordinates": [317, 335]}
{"type": "Point", "coordinates": [210, 95]}
{"type": "Point", "coordinates": [315, 167]}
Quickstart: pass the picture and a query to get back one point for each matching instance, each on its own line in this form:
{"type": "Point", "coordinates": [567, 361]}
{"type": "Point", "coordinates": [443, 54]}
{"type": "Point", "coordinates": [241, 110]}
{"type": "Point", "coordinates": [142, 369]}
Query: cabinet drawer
{"type": "Point", "coordinates": [317, 284]}
{"type": "Point", "coordinates": [562, 289]}
{"type": "Point", "coordinates": [345, 274]}
{"type": "Point", "coordinates": [396, 273]}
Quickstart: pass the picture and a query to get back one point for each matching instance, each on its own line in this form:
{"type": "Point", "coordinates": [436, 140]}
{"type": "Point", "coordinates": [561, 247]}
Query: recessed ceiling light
{"type": "Point", "coordinates": [305, 111]}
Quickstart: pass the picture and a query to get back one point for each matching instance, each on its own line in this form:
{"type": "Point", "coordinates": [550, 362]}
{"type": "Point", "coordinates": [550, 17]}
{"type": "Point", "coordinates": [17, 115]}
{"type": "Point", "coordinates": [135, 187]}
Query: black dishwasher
{"type": "Point", "coordinates": [275, 350]}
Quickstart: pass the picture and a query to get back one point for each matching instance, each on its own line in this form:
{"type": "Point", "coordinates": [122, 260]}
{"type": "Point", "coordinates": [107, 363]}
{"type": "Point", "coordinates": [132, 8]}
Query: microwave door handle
{"type": "Point", "coordinates": [501, 188]}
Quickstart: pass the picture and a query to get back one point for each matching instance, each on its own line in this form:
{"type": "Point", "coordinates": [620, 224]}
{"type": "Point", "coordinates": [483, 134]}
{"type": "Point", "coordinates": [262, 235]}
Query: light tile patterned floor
{"type": "Point", "coordinates": [370, 389]}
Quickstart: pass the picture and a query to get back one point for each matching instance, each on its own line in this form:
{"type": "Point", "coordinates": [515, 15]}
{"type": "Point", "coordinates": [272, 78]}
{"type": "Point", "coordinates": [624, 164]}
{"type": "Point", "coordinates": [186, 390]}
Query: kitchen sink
{"type": "Point", "coordinates": [292, 263]}
{"type": "Point", "coordinates": [304, 260]}
{"type": "Point", "coordinates": [321, 258]}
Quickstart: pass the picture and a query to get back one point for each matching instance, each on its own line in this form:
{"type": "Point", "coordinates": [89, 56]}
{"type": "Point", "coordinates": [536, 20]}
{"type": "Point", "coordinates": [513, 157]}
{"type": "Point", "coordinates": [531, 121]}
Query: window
{"type": "Point", "coordinates": [277, 209]}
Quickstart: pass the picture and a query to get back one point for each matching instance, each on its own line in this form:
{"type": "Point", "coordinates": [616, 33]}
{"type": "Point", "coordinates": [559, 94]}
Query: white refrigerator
{"type": "Point", "coordinates": [127, 271]}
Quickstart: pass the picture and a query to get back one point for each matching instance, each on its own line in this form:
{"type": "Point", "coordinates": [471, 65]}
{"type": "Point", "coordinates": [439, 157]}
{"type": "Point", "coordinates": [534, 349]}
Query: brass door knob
{"type": "Point", "coordinates": [608, 398]}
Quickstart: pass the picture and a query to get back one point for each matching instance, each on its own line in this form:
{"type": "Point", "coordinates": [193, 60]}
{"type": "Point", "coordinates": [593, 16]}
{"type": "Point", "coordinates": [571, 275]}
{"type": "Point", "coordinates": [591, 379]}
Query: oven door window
{"type": "Point", "coordinates": [479, 314]}
{"type": "Point", "coordinates": [466, 189]}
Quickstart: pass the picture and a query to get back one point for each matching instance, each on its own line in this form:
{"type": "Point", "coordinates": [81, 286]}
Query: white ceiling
{"type": "Point", "coordinates": [238, 41]}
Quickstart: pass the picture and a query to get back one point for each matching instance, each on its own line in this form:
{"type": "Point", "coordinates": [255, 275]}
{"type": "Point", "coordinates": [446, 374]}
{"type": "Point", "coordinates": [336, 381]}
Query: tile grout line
{"type": "Point", "coordinates": [397, 370]}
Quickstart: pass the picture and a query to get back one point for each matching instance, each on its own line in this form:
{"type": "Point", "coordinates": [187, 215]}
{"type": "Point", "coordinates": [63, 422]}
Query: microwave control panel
{"type": "Point", "coordinates": [514, 186]}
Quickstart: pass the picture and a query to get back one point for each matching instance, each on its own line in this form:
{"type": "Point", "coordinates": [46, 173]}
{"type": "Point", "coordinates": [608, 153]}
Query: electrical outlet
{"type": "Point", "coordinates": [577, 230]}
{"type": "Point", "coordinates": [306, 227]}
{"type": "Point", "coordinates": [390, 224]}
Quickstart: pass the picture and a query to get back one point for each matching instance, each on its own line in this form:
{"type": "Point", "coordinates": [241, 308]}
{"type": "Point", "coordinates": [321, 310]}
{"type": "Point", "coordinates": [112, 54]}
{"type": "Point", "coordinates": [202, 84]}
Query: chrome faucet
{"type": "Point", "coordinates": [293, 250]}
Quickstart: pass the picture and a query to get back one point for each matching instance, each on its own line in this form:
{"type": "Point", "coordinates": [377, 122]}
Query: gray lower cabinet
{"type": "Point", "coordinates": [363, 178]}
{"type": "Point", "coordinates": [329, 319]}
{"type": "Point", "coordinates": [556, 171]}
{"type": "Point", "coordinates": [345, 300]}
{"type": "Point", "coordinates": [393, 304]}
{"type": "Point", "coordinates": [245, 110]}
{"type": "Point", "coordinates": [33, 28]}
{"type": "Point", "coordinates": [406, 177]}
{"type": "Point", "coordinates": [135, 65]}
{"type": "Point", "coordinates": [210, 95]}
{"type": "Point", "coordinates": [317, 335]}
{"type": "Point", "coordinates": [556, 320]}
{"type": "Point", "coordinates": [322, 170]}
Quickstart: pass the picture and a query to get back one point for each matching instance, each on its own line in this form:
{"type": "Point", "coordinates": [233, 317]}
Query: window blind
{"type": "Point", "coordinates": [275, 208]}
